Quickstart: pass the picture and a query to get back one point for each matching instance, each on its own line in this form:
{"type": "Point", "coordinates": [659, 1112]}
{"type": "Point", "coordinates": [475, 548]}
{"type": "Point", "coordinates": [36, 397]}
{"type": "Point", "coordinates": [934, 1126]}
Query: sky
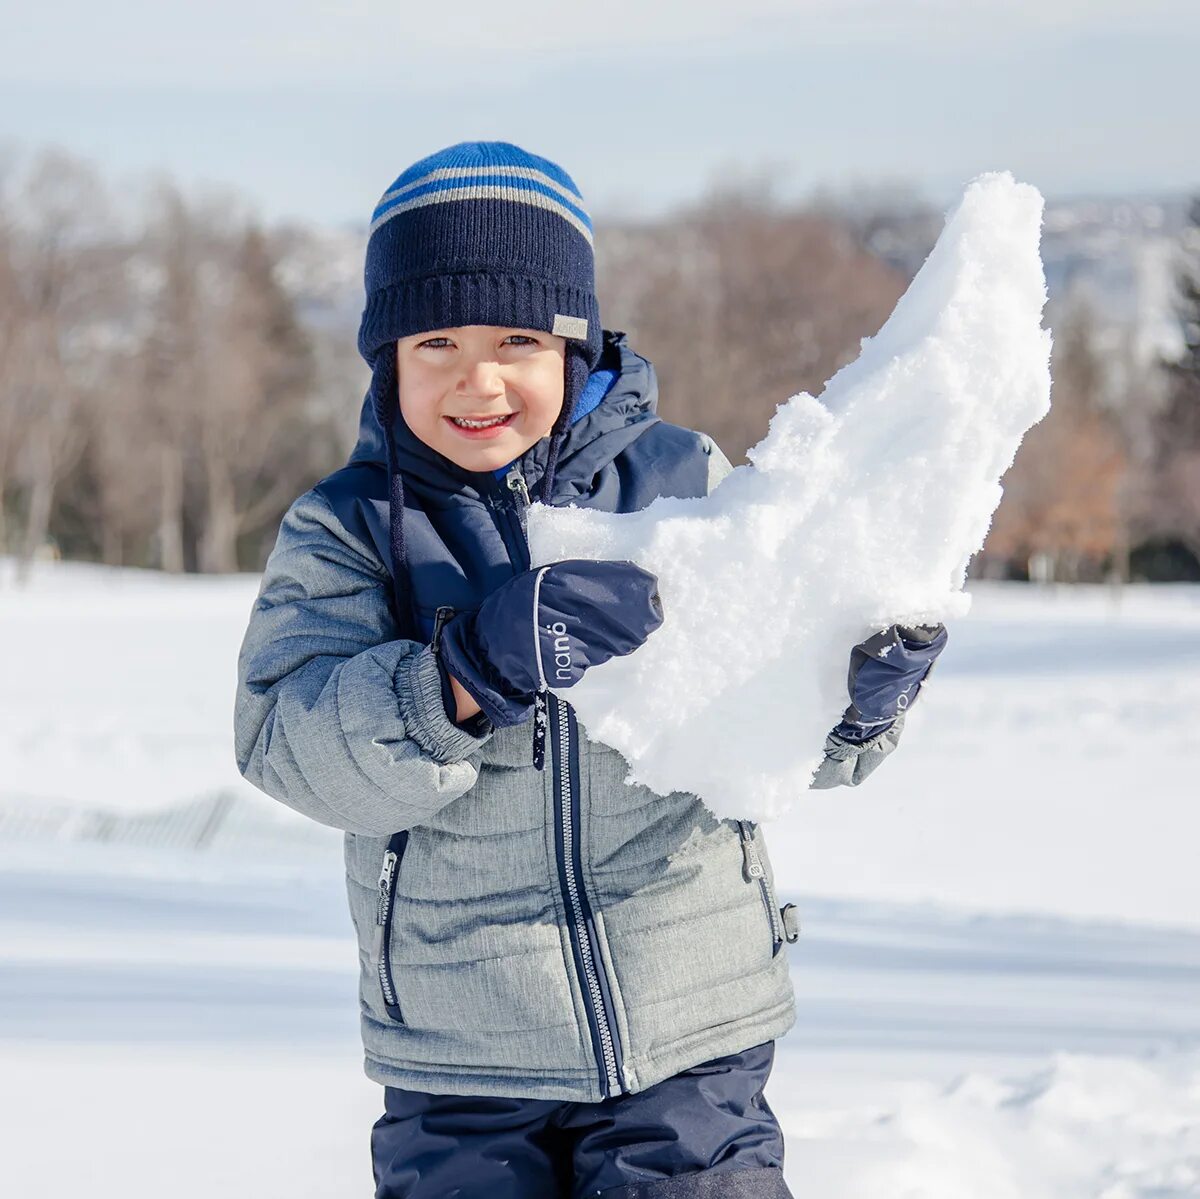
{"type": "Point", "coordinates": [309, 110]}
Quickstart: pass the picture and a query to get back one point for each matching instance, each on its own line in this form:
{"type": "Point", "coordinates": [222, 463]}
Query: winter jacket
{"type": "Point", "coordinates": [556, 934]}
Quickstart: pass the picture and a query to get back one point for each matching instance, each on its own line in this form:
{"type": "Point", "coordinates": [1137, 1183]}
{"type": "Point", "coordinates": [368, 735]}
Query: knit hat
{"type": "Point", "coordinates": [480, 233]}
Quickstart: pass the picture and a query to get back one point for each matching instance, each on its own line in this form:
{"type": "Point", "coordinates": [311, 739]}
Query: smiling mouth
{"type": "Point", "coordinates": [490, 422]}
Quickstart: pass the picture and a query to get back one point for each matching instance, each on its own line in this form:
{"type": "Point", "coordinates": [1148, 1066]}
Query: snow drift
{"type": "Point", "coordinates": [856, 511]}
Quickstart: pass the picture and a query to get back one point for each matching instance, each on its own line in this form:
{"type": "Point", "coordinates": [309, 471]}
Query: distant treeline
{"type": "Point", "coordinates": [1107, 486]}
{"type": "Point", "coordinates": [165, 391]}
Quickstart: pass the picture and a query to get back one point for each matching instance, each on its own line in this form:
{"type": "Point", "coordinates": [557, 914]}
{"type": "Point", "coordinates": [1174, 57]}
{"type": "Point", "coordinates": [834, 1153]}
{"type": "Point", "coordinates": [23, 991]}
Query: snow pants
{"type": "Point", "coordinates": [702, 1133]}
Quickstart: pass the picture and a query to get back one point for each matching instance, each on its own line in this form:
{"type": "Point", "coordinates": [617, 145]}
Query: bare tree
{"type": "Point", "coordinates": [13, 396]}
{"type": "Point", "coordinates": [1175, 510]}
{"type": "Point", "coordinates": [123, 482]}
{"type": "Point", "coordinates": [55, 276]}
{"type": "Point", "coordinates": [167, 374]}
{"type": "Point", "coordinates": [254, 430]}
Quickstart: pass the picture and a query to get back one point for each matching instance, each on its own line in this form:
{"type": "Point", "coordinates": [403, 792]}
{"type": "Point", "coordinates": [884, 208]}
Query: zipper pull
{"type": "Point", "coordinates": [791, 923]}
{"type": "Point", "coordinates": [385, 885]}
{"type": "Point", "coordinates": [541, 721]}
{"type": "Point", "coordinates": [517, 485]}
{"type": "Point", "coordinates": [440, 617]}
{"type": "Point", "coordinates": [751, 861]}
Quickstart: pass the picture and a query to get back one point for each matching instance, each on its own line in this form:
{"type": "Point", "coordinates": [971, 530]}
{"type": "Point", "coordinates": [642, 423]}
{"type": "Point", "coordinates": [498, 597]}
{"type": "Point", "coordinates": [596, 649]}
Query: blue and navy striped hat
{"type": "Point", "coordinates": [481, 233]}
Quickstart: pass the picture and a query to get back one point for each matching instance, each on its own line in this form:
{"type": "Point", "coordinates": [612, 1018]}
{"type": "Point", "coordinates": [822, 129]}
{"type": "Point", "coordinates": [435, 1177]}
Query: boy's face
{"type": "Point", "coordinates": [479, 373]}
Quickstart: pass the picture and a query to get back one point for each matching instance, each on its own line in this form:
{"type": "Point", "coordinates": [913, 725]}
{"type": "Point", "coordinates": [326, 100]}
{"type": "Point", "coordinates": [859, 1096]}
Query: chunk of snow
{"type": "Point", "coordinates": [857, 511]}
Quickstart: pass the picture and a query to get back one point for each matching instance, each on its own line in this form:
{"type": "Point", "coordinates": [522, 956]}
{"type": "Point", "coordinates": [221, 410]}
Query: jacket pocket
{"type": "Point", "coordinates": [754, 870]}
{"type": "Point", "coordinates": [384, 910]}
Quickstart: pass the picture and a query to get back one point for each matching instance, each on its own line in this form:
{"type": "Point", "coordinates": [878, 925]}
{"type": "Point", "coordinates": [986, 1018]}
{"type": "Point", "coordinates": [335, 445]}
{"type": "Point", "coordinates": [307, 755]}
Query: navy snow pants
{"type": "Point", "coordinates": [703, 1133]}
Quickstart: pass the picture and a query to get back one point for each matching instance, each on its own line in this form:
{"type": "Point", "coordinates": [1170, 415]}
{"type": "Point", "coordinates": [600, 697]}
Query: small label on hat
{"type": "Point", "coordinates": [570, 326]}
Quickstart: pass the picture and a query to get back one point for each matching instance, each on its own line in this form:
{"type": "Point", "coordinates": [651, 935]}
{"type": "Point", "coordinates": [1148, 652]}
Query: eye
{"type": "Point", "coordinates": [522, 339]}
{"type": "Point", "coordinates": [434, 343]}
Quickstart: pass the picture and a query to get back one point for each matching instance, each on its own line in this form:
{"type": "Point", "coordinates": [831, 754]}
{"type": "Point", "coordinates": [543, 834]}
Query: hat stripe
{"type": "Point", "coordinates": [568, 193]}
{"type": "Point", "coordinates": [449, 178]}
{"type": "Point", "coordinates": [516, 191]}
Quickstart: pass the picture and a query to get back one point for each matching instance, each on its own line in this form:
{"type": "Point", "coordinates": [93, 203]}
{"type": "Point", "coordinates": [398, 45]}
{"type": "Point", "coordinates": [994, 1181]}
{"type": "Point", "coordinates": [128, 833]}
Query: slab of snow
{"type": "Point", "coordinates": [855, 511]}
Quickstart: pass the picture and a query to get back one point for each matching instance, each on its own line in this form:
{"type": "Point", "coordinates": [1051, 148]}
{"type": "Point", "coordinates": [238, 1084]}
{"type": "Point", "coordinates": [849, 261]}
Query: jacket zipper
{"type": "Point", "coordinates": [753, 868]}
{"type": "Point", "coordinates": [597, 993]}
{"type": "Point", "coordinates": [541, 715]}
{"type": "Point", "coordinates": [384, 907]}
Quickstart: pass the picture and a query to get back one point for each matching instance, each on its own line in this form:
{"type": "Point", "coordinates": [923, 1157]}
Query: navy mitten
{"type": "Point", "coordinates": [546, 628]}
{"type": "Point", "coordinates": [886, 673]}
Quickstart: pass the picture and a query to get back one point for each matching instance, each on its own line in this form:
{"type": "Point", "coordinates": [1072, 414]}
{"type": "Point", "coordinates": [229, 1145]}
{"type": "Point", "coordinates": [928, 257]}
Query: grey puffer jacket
{"type": "Point", "coordinates": [554, 934]}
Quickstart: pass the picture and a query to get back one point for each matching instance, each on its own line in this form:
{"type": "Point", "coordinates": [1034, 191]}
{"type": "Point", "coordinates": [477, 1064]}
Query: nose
{"type": "Point", "coordinates": [481, 378]}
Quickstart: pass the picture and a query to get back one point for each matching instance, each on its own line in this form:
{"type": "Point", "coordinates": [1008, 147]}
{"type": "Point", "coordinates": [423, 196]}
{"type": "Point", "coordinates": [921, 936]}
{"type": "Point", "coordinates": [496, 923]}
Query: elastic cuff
{"type": "Point", "coordinates": [844, 749]}
{"type": "Point", "coordinates": [476, 725]}
{"type": "Point", "coordinates": [853, 733]}
{"type": "Point", "coordinates": [418, 686]}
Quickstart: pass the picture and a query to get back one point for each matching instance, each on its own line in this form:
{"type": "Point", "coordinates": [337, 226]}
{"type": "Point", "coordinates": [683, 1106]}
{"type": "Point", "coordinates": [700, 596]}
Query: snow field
{"type": "Point", "coordinates": [118, 686]}
{"type": "Point", "coordinates": [1078, 1127]}
{"type": "Point", "coordinates": [206, 1041]}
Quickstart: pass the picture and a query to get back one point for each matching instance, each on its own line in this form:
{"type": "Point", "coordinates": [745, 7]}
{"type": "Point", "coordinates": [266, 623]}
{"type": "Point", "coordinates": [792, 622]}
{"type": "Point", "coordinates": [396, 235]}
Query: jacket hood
{"type": "Point", "coordinates": [618, 405]}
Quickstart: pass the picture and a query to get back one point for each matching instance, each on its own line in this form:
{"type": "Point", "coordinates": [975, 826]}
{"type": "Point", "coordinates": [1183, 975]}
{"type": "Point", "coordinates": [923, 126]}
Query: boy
{"type": "Point", "coordinates": [569, 985]}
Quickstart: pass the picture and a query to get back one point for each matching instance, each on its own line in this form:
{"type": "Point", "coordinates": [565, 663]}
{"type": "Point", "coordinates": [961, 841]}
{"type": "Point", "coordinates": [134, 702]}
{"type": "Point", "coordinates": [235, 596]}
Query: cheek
{"type": "Point", "coordinates": [418, 406]}
{"type": "Point", "coordinates": [544, 397]}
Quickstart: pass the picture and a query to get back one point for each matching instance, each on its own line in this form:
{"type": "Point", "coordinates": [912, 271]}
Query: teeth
{"type": "Point", "coordinates": [464, 423]}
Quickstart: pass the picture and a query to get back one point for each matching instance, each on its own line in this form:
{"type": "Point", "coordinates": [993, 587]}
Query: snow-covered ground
{"type": "Point", "coordinates": [184, 1024]}
{"type": "Point", "coordinates": [998, 978]}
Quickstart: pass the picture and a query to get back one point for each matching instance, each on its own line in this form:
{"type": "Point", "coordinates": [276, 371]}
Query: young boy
{"type": "Point", "coordinates": [569, 985]}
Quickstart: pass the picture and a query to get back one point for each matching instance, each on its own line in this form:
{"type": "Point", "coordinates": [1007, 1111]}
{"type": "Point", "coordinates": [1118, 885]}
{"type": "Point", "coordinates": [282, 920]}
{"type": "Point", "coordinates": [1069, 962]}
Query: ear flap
{"type": "Point", "coordinates": [575, 377]}
{"type": "Point", "coordinates": [385, 398]}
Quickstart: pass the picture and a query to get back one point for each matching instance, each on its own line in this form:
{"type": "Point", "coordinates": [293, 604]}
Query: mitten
{"type": "Point", "coordinates": [886, 674]}
{"type": "Point", "coordinates": [546, 628]}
